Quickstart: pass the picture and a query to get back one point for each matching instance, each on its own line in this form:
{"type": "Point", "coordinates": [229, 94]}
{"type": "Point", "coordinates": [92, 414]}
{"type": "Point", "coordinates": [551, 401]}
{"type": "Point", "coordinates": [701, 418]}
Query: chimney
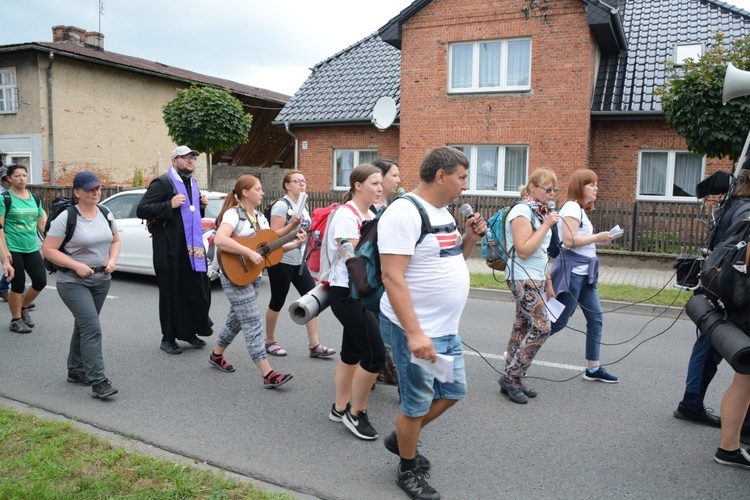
{"type": "Point", "coordinates": [94, 40]}
{"type": "Point", "coordinates": [72, 34]}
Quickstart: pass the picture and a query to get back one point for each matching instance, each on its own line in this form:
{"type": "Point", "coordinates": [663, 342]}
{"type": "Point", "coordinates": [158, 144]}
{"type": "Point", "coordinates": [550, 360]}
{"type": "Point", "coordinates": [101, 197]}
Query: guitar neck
{"type": "Point", "coordinates": [275, 245]}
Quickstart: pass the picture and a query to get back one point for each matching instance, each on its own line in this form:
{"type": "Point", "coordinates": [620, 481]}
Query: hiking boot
{"type": "Point", "coordinates": [513, 390]}
{"type": "Point", "coordinates": [739, 458]}
{"type": "Point", "coordinates": [414, 483]}
{"type": "Point", "coordinates": [360, 425]}
{"type": "Point", "coordinates": [103, 390]}
{"type": "Point", "coordinates": [78, 378]}
{"type": "Point", "coordinates": [337, 416]}
{"type": "Point", "coordinates": [320, 351]}
{"type": "Point", "coordinates": [18, 326]}
{"type": "Point", "coordinates": [26, 317]}
{"type": "Point", "coordinates": [218, 361]}
{"type": "Point", "coordinates": [272, 379]}
{"type": "Point", "coordinates": [391, 444]}
{"type": "Point", "coordinates": [530, 393]}
{"type": "Point", "coordinates": [601, 375]}
{"type": "Point", "coordinates": [704, 416]}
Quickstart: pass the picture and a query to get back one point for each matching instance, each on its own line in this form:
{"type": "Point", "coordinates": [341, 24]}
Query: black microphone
{"type": "Point", "coordinates": [468, 212]}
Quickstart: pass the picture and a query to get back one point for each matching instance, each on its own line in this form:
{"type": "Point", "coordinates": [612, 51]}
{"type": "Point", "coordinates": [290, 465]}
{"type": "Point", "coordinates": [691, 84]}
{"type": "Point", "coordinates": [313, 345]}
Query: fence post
{"type": "Point", "coordinates": [634, 225]}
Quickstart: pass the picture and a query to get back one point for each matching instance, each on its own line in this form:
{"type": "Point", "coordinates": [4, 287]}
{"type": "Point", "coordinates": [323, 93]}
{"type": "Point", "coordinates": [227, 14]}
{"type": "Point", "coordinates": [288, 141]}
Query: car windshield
{"type": "Point", "coordinates": [213, 208]}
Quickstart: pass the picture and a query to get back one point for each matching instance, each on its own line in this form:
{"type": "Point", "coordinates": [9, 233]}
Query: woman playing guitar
{"type": "Point", "coordinates": [239, 218]}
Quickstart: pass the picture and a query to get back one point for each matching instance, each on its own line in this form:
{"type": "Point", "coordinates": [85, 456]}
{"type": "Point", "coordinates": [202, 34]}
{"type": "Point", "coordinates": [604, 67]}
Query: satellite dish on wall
{"type": "Point", "coordinates": [384, 113]}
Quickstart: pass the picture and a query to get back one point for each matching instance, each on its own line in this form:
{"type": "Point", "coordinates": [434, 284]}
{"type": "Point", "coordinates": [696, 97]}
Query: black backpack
{"type": "Point", "coordinates": [60, 204]}
{"type": "Point", "coordinates": [8, 201]}
{"type": "Point", "coordinates": [725, 275]}
{"type": "Point", "coordinates": [267, 211]}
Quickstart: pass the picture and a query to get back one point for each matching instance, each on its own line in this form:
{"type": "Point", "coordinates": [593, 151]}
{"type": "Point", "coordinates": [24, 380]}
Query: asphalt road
{"type": "Point", "coordinates": [577, 439]}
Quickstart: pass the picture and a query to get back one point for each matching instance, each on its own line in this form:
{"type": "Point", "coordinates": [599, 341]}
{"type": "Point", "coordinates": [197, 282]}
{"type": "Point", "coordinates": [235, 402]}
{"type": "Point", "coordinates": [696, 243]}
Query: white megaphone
{"type": "Point", "coordinates": [736, 84]}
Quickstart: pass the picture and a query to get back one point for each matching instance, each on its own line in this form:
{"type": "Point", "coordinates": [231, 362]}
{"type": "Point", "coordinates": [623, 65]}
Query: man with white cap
{"type": "Point", "coordinates": [173, 206]}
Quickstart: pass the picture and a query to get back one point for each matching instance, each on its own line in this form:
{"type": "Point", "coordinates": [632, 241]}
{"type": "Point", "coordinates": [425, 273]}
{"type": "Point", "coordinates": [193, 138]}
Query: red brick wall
{"type": "Point", "coordinates": [553, 118]}
{"type": "Point", "coordinates": [317, 160]}
{"type": "Point", "coordinates": [615, 148]}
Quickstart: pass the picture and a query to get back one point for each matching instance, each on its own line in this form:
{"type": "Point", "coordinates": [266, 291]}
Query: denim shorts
{"type": "Point", "coordinates": [419, 388]}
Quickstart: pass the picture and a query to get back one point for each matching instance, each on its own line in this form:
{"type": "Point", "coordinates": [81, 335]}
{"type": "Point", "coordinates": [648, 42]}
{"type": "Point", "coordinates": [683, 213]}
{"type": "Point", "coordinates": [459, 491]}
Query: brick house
{"type": "Point", "coordinates": [517, 85]}
{"type": "Point", "coordinates": [69, 105]}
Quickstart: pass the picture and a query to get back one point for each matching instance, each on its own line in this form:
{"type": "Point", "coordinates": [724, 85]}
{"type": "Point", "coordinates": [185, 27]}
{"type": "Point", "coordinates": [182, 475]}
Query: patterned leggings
{"type": "Point", "coordinates": [243, 315]}
{"type": "Point", "coordinates": [530, 328]}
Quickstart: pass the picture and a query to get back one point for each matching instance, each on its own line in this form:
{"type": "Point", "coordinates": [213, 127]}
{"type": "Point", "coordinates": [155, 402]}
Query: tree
{"type": "Point", "coordinates": [691, 99]}
{"type": "Point", "coordinates": [206, 119]}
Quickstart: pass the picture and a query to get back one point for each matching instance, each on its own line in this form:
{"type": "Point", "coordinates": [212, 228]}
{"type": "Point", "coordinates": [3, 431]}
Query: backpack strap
{"type": "Point", "coordinates": [70, 226]}
{"type": "Point", "coordinates": [426, 227]}
{"type": "Point", "coordinates": [7, 199]}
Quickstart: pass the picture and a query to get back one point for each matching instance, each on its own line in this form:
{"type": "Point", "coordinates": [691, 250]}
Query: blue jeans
{"type": "Point", "coordinates": [4, 285]}
{"type": "Point", "coordinates": [85, 303]}
{"type": "Point", "coordinates": [417, 387]}
{"type": "Point", "coordinates": [581, 292]}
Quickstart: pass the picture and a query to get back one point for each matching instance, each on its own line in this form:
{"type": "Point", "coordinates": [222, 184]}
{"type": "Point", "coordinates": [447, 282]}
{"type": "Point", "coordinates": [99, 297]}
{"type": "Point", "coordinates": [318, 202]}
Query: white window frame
{"type": "Point", "coordinates": [472, 154]}
{"type": "Point", "coordinates": [9, 98]}
{"type": "Point", "coordinates": [475, 88]}
{"type": "Point", "coordinates": [683, 51]}
{"type": "Point", "coordinates": [669, 182]}
{"type": "Point", "coordinates": [334, 169]}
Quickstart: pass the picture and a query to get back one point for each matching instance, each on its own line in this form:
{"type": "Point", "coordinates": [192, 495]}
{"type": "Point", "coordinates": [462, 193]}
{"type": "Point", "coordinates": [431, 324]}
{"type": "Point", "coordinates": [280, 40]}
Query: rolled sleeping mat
{"type": "Point", "coordinates": [731, 342]}
{"type": "Point", "coordinates": [309, 305]}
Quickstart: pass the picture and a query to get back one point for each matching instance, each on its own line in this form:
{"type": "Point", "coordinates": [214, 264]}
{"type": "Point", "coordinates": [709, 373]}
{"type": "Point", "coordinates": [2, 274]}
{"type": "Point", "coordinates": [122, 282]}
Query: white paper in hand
{"type": "Point", "coordinates": [554, 308]}
{"type": "Point", "coordinates": [616, 232]}
{"type": "Point", "coordinates": [301, 204]}
{"type": "Point", "coordinates": [442, 368]}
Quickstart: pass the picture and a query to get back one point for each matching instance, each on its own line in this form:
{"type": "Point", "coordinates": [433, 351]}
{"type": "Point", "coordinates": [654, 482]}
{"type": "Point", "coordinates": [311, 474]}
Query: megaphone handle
{"type": "Point", "coordinates": [742, 156]}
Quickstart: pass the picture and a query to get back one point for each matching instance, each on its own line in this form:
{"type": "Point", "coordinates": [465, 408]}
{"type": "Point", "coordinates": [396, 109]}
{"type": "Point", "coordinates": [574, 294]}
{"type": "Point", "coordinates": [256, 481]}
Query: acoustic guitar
{"type": "Point", "coordinates": [239, 270]}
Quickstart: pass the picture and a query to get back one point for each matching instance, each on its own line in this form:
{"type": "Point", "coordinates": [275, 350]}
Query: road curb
{"type": "Point", "coordinates": [608, 306]}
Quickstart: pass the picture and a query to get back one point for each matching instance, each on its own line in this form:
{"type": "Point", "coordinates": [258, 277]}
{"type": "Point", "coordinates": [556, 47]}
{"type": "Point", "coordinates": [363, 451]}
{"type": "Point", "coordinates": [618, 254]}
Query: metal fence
{"type": "Point", "coordinates": [651, 227]}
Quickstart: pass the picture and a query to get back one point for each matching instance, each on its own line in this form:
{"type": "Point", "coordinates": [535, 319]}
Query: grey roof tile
{"type": "Point", "coordinates": [346, 86]}
{"type": "Point", "coordinates": [626, 82]}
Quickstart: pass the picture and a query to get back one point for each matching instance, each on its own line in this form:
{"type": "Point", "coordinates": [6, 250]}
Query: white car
{"type": "Point", "coordinates": [136, 253]}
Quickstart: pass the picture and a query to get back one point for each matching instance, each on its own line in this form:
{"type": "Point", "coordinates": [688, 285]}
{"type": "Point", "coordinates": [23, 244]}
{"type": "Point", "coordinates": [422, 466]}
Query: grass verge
{"type": "Point", "coordinates": [622, 293]}
{"type": "Point", "coordinates": [49, 459]}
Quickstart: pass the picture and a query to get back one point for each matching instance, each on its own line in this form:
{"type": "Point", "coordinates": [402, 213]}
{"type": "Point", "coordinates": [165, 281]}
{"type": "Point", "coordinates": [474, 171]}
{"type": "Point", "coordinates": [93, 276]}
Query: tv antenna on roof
{"type": "Point", "coordinates": [384, 113]}
{"type": "Point", "coordinates": [101, 13]}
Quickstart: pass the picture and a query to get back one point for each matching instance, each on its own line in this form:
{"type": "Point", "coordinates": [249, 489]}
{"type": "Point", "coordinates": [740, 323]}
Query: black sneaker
{"type": "Point", "coordinates": [196, 342]}
{"type": "Point", "coordinates": [530, 393]}
{"type": "Point", "coordinates": [26, 317]}
{"type": "Point", "coordinates": [740, 458]}
{"type": "Point", "coordinates": [78, 378]}
{"type": "Point", "coordinates": [414, 483]}
{"type": "Point", "coordinates": [103, 390]}
{"type": "Point", "coordinates": [601, 375]}
{"type": "Point", "coordinates": [359, 425]}
{"type": "Point", "coordinates": [391, 444]}
{"type": "Point", "coordinates": [704, 416]}
{"type": "Point", "coordinates": [513, 389]}
{"type": "Point", "coordinates": [337, 416]}
{"type": "Point", "coordinates": [170, 347]}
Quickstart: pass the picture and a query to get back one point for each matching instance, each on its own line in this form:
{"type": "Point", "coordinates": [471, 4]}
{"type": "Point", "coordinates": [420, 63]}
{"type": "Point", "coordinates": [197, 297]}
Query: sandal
{"type": "Point", "coordinates": [272, 379]}
{"type": "Point", "coordinates": [220, 363]}
{"type": "Point", "coordinates": [320, 351]}
{"type": "Point", "coordinates": [274, 349]}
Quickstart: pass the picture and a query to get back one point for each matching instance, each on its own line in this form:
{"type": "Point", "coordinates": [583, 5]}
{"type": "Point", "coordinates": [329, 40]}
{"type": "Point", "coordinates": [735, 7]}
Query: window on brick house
{"type": "Point", "coordinates": [344, 161]}
{"type": "Point", "coordinates": [8, 90]}
{"type": "Point", "coordinates": [490, 66]}
{"type": "Point", "coordinates": [685, 51]}
{"type": "Point", "coordinates": [496, 169]}
{"type": "Point", "coordinates": [669, 175]}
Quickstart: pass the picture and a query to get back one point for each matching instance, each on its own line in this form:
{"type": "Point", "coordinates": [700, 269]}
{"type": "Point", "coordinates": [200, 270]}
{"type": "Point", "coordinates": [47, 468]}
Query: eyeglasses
{"type": "Point", "coordinates": [299, 181]}
{"type": "Point", "coordinates": [549, 190]}
{"type": "Point", "coordinates": [187, 157]}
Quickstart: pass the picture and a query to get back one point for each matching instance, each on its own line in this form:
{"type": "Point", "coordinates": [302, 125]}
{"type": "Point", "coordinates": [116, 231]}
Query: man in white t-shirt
{"type": "Point", "coordinates": [427, 284]}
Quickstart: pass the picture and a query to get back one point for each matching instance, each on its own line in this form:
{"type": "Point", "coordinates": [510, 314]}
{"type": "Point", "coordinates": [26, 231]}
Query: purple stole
{"type": "Point", "coordinates": [191, 221]}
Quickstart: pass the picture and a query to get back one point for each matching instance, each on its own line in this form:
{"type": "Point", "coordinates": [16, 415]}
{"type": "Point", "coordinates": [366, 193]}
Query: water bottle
{"type": "Point", "coordinates": [347, 250]}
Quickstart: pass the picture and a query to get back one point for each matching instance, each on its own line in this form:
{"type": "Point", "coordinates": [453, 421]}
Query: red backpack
{"type": "Point", "coordinates": [320, 217]}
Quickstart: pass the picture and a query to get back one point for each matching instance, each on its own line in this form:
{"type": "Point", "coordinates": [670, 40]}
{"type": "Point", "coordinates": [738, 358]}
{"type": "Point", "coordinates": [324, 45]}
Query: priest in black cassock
{"type": "Point", "coordinates": [173, 206]}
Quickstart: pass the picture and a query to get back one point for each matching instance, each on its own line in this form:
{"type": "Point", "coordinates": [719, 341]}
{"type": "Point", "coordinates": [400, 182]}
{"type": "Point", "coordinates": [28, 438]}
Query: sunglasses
{"type": "Point", "coordinates": [549, 190]}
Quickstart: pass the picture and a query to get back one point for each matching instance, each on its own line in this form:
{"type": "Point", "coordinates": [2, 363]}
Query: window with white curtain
{"type": "Point", "coordinates": [496, 169]}
{"type": "Point", "coordinates": [496, 65]}
{"type": "Point", "coordinates": [8, 90]}
{"type": "Point", "coordinates": [344, 161]}
{"type": "Point", "coordinates": [669, 175]}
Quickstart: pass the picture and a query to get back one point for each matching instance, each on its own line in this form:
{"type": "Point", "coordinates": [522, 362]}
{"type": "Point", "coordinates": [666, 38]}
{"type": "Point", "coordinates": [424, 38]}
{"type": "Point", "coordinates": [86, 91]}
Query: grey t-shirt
{"type": "Point", "coordinates": [292, 257]}
{"type": "Point", "coordinates": [90, 245]}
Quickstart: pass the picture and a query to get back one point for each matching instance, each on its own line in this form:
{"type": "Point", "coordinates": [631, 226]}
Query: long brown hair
{"type": "Point", "coordinates": [359, 174]}
{"type": "Point", "coordinates": [578, 182]}
{"type": "Point", "coordinates": [243, 182]}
